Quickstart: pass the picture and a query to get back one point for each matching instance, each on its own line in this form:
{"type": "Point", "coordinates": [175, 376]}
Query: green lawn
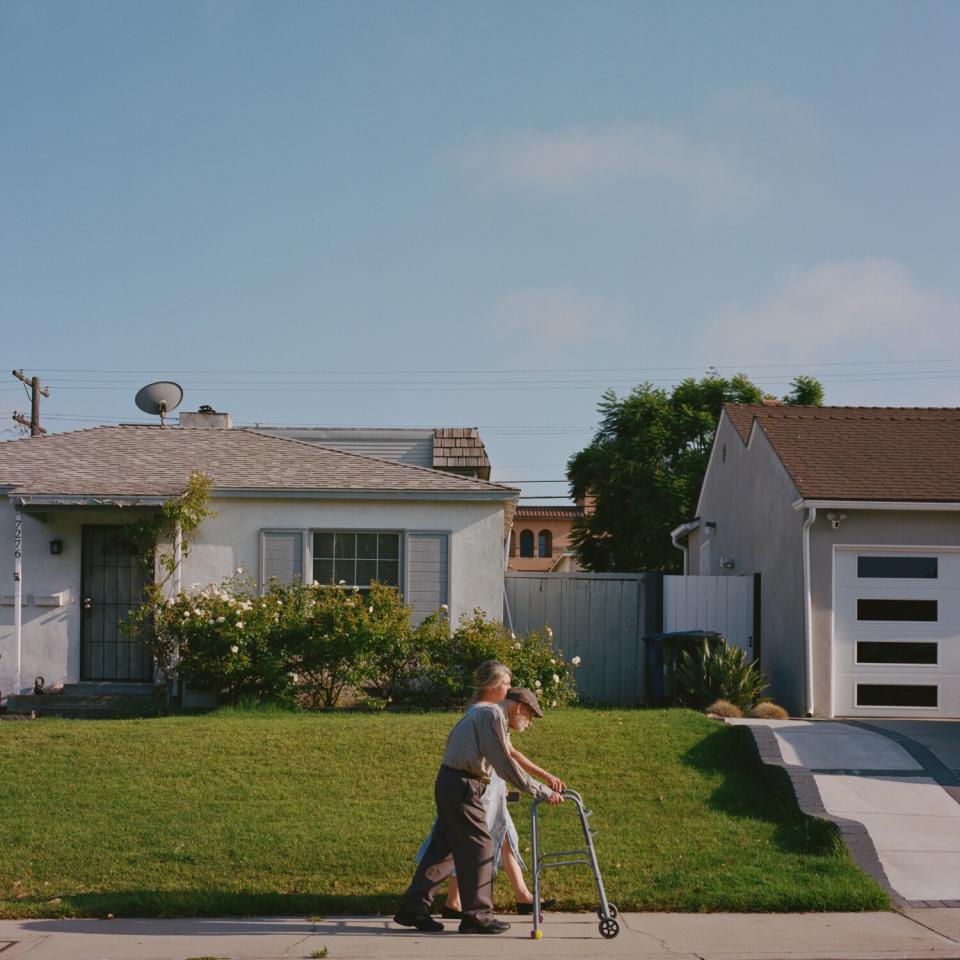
{"type": "Point", "coordinates": [251, 813]}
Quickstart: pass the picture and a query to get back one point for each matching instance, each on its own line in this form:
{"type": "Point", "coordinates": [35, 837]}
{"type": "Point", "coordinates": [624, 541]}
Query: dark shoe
{"type": "Point", "coordinates": [448, 913]}
{"type": "Point", "coordinates": [526, 909]}
{"type": "Point", "coordinates": [469, 925]}
{"type": "Point", "coordinates": [421, 921]}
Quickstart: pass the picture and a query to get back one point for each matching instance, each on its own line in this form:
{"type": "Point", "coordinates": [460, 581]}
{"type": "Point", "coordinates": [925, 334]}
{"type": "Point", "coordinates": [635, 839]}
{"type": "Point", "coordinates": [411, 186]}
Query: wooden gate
{"type": "Point", "coordinates": [599, 617]}
{"type": "Point", "coordinates": [724, 604]}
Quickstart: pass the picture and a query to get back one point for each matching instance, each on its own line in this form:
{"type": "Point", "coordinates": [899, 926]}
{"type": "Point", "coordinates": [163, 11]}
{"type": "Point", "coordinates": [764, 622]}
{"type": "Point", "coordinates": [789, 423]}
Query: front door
{"type": "Point", "coordinates": [113, 577]}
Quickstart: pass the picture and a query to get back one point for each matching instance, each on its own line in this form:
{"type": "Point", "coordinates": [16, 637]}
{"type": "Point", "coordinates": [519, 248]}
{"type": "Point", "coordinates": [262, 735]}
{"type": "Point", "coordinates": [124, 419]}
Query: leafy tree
{"type": "Point", "coordinates": [645, 465]}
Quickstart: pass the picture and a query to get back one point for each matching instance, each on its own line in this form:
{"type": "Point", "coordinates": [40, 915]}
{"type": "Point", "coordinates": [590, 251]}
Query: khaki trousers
{"type": "Point", "coordinates": [460, 839]}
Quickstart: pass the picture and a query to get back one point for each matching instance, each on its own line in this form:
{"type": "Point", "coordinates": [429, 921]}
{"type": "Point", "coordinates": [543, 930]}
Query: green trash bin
{"type": "Point", "coordinates": [663, 654]}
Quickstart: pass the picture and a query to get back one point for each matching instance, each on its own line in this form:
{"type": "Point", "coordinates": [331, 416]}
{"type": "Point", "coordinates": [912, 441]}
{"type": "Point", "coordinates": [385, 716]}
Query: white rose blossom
{"type": "Point", "coordinates": [221, 619]}
{"type": "Point", "coordinates": [369, 609]}
{"type": "Point", "coordinates": [234, 649]}
{"type": "Point", "coordinates": [576, 661]}
{"type": "Point", "coordinates": [516, 646]}
{"type": "Point", "coordinates": [239, 624]}
{"type": "Point", "coordinates": [548, 631]}
{"type": "Point", "coordinates": [537, 684]}
{"type": "Point", "coordinates": [556, 679]}
{"type": "Point", "coordinates": [554, 703]}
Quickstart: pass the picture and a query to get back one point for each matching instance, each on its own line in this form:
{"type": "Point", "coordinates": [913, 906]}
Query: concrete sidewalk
{"type": "Point", "coordinates": [932, 934]}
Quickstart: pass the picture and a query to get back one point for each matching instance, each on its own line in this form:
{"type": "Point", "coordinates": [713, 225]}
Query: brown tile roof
{"type": "Point", "coordinates": [534, 512]}
{"type": "Point", "coordinates": [862, 453]}
{"type": "Point", "coordinates": [134, 460]}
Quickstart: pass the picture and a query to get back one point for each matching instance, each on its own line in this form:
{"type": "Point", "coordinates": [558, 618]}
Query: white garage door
{"type": "Point", "coordinates": [896, 633]}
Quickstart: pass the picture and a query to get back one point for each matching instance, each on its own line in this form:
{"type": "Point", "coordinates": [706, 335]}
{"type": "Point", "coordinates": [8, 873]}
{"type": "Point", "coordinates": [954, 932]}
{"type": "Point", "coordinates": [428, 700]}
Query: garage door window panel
{"type": "Point", "coordinates": [875, 567]}
{"type": "Point", "coordinates": [900, 653]}
{"type": "Point", "coordinates": [914, 695]}
{"type": "Point", "coordinates": [877, 609]}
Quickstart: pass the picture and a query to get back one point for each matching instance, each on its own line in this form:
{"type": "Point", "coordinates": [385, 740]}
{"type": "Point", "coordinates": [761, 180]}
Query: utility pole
{"type": "Point", "coordinates": [36, 391]}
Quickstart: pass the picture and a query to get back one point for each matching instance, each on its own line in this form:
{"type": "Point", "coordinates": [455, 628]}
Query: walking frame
{"type": "Point", "coordinates": [607, 912]}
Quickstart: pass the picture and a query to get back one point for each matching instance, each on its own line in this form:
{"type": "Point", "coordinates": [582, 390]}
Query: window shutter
{"type": "Point", "coordinates": [428, 573]}
{"type": "Point", "coordinates": [282, 557]}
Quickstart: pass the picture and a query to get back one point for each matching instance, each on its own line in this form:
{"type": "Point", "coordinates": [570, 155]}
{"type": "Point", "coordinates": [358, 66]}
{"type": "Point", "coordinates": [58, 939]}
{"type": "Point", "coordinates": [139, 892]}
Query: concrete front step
{"type": "Point", "coordinates": [111, 706]}
{"type": "Point", "coordinates": [102, 688]}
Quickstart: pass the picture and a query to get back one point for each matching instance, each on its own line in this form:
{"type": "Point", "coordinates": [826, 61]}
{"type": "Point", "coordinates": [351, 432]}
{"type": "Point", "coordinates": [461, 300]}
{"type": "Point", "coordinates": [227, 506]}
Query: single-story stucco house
{"type": "Point", "coordinates": [851, 515]}
{"type": "Point", "coordinates": [285, 508]}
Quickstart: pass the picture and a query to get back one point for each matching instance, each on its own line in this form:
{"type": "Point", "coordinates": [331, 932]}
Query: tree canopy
{"type": "Point", "coordinates": [645, 464]}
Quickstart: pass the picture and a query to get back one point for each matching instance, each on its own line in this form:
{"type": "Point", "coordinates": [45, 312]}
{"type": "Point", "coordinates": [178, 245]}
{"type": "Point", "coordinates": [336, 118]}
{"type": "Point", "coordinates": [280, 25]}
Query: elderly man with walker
{"type": "Point", "coordinates": [478, 743]}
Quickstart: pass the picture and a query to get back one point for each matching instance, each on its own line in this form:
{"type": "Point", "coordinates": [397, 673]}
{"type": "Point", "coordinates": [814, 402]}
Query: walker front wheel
{"type": "Point", "coordinates": [609, 928]}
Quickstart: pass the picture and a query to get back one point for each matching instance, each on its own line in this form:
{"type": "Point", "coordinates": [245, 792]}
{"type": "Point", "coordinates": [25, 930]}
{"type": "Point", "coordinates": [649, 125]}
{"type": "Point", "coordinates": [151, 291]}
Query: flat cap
{"type": "Point", "coordinates": [527, 697]}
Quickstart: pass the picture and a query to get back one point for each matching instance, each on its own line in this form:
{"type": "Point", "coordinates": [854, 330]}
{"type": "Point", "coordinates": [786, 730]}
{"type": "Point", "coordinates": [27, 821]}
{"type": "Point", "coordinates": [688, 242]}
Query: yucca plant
{"type": "Point", "coordinates": [718, 672]}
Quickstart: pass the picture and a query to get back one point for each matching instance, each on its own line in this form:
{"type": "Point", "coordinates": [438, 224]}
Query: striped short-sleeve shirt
{"type": "Point", "coordinates": [480, 743]}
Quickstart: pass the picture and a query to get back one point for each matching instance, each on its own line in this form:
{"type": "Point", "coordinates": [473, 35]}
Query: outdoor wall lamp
{"type": "Point", "coordinates": [834, 517]}
{"type": "Point", "coordinates": [56, 547]}
{"type": "Point", "coordinates": [728, 561]}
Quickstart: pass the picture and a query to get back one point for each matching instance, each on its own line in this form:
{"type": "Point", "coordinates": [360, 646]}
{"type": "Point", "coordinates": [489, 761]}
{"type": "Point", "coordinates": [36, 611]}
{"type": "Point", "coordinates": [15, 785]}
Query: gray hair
{"type": "Point", "coordinates": [488, 674]}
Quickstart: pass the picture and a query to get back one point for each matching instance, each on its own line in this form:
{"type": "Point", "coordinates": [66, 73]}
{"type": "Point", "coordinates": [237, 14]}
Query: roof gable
{"type": "Point", "coordinates": [862, 453]}
{"type": "Point", "coordinates": [133, 460]}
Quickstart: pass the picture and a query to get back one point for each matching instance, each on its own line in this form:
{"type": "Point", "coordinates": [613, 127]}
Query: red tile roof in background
{"type": "Point", "coordinates": [862, 453]}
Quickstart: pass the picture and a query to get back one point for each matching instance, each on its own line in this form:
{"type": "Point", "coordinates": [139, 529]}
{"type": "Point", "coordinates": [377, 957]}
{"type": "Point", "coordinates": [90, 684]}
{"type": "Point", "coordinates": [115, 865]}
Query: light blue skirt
{"type": "Point", "coordinates": [499, 823]}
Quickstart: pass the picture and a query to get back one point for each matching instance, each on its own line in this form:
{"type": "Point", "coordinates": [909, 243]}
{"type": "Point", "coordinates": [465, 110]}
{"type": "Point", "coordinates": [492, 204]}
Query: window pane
{"type": "Point", "coordinates": [896, 695]}
{"type": "Point", "coordinates": [346, 544]}
{"type": "Point", "coordinates": [873, 651]}
{"type": "Point", "coordinates": [344, 570]}
{"type": "Point", "coordinates": [389, 546]}
{"type": "Point", "coordinates": [901, 568]}
{"type": "Point", "coordinates": [366, 571]}
{"type": "Point", "coordinates": [526, 543]}
{"type": "Point", "coordinates": [323, 571]}
{"type": "Point", "coordinates": [924, 611]}
{"type": "Point", "coordinates": [323, 544]}
{"type": "Point", "coordinates": [388, 573]}
{"type": "Point", "coordinates": [367, 546]}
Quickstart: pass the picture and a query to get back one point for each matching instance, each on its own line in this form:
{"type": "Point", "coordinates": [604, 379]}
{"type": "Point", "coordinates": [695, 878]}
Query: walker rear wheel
{"type": "Point", "coordinates": [612, 907]}
{"type": "Point", "coordinates": [609, 928]}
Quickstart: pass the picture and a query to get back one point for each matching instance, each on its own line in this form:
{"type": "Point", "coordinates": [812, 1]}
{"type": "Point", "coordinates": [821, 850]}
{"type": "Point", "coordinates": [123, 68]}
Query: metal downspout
{"type": "Point", "coordinates": [18, 587]}
{"type": "Point", "coordinates": [808, 606]}
{"type": "Point", "coordinates": [683, 548]}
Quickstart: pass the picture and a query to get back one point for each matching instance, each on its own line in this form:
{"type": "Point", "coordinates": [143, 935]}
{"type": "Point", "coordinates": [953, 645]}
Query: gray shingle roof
{"type": "Point", "coordinates": [135, 460]}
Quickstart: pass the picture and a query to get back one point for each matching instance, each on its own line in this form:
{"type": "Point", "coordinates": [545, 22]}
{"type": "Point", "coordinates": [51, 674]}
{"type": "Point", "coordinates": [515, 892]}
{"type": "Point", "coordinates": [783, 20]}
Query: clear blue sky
{"type": "Point", "coordinates": [475, 213]}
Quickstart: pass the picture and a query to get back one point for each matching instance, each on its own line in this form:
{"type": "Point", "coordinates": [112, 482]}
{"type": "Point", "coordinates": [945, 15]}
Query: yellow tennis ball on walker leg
{"type": "Point", "coordinates": [536, 934]}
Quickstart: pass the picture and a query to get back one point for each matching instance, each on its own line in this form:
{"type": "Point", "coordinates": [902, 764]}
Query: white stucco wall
{"type": "Point", "coordinates": [50, 645]}
{"type": "Point", "coordinates": [748, 495]}
{"type": "Point", "coordinates": [51, 635]}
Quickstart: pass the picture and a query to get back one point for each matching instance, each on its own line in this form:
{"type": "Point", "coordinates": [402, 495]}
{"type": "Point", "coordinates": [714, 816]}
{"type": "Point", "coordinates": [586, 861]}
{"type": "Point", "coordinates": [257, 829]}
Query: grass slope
{"type": "Point", "coordinates": [238, 813]}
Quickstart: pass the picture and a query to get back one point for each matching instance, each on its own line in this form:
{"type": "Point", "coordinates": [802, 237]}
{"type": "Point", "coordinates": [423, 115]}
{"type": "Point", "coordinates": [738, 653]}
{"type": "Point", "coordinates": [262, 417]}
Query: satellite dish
{"type": "Point", "coordinates": [159, 398]}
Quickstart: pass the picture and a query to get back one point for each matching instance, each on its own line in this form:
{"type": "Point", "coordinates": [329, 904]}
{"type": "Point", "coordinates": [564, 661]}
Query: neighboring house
{"type": "Point", "coordinates": [285, 509]}
{"type": "Point", "coordinates": [852, 517]}
{"type": "Point", "coordinates": [540, 539]}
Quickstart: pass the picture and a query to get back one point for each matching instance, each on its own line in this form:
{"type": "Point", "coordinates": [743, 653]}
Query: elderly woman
{"type": "Point", "coordinates": [491, 685]}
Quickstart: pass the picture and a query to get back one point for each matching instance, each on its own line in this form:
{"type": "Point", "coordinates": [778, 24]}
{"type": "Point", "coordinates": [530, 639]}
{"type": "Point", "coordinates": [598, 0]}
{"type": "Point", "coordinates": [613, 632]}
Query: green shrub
{"type": "Point", "coordinates": [313, 645]}
{"type": "Point", "coordinates": [718, 673]}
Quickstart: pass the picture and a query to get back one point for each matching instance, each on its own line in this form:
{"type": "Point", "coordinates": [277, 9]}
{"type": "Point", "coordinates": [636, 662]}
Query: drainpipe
{"type": "Point", "coordinates": [684, 530]}
{"type": "Point", "coordinates": [808, 606]}
{"type": "Point", "coordinates": [178, 558]}
{"type": "Point", "coordinates": [506, 562]}
{"type": "Point", "coordinates": [18, 586]}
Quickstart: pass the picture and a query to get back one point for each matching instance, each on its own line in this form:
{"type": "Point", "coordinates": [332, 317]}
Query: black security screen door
{"type": "Point", "coordinates": [113, 578]}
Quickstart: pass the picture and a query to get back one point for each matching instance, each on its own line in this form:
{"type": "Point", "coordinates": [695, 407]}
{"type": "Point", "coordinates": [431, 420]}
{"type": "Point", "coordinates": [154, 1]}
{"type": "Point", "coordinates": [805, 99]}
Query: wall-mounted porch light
{"type": "Point", "coordinates": [56, 547]}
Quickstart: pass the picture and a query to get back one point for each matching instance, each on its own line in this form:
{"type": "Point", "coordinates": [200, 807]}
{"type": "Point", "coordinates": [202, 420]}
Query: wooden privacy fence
{"type": "Point", "coordinates": [599, 617]}
{"type": "Point", "coordinates": [603, 617]}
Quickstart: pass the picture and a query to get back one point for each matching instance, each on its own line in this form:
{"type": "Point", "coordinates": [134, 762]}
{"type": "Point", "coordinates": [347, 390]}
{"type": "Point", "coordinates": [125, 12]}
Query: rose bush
{"type": "Point", "coordinates": [314, 644]}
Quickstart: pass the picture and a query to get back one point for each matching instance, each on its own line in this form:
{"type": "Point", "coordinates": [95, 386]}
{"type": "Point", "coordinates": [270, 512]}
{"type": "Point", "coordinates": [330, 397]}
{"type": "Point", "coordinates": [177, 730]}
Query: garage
{"type": "Point", "coordinates": [896, 632]}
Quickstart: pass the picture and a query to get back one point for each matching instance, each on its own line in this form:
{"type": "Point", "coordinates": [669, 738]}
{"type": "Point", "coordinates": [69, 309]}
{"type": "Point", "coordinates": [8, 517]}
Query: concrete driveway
{"type": "Point", "coordinates": [893, 786]}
